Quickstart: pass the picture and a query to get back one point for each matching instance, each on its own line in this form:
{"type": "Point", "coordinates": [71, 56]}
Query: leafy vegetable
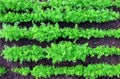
{"type": "Point", "coordinates": [2, 70]}
{"type": "Point", "coordinates": [18, 5]}
{"type": "Point", "coordinates": [64, 51]}
{"type": "Point", "coordinates": [26, 5]}
{"type": "Point", "coordinates": [56, 15]}
{"type": "Point", "coordinates": [23, 71]}
{"type": "Point", "coordinates": [92, 71]}
{"type": "Point", "coordinates": [52, 32]}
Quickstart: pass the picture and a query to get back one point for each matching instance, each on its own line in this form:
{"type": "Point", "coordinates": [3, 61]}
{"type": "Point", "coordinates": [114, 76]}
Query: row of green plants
{"type": "Point", "coordinates": [2, 70]}
{"type": "Point", "coordinates": [56, 15]}
{"type": "Point", "coordinates": [48, 32]}
{"type": "Point", "coordinates": [92, 71]}
{"type": "Point", "coordinates": [26, 5]}
{"type": "Point", "coordinates": [88, 4]}
{"type": "Point", "coordinates": [64, 51]}
{"type": "Point", "coordinates": [18, 5]}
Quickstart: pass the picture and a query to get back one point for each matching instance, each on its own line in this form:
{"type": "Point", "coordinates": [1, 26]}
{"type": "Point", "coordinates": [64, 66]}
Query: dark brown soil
{"type": "Point", "coordinates": [93, 42]}
{"type": "Point", "coordinates": [107, 25]}
{"type": "Point", "coordinates": [23, 42]}
{"type": "Point", "coordinates": [108, 77]}
{"type": "Point", "coordinates": [0, 25]}
{"type": "Point", "coordinates": [65, 77]}
{"type": "Point", "coordinates": [11, 75]}
{"type": "Point", "coordinates": [115, 9]}
{"type": "Point", "coordinates": [114, 59]}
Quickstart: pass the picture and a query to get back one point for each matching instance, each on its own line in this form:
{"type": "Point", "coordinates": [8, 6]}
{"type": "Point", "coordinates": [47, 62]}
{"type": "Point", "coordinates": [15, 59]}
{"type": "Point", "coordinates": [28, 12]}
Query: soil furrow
{"type": "Point", "coordinates": [114, 59]}
{"type": "Point", "coordinates": [11, 75]}
{"type": "Point", "coordinates": [105, 25]}
{"type": "Point", "coordinates": [115, 9]}
{"type": "Point", "coordinates": [93, 42]}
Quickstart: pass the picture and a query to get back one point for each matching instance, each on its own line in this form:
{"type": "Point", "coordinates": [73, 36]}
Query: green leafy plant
{"type": "Point", "coordinates": [41, 15]}
{"type": "Point", "coordinates": [92, 71]}
{"type": "Point", "coordinates": [23, 71]}
{"type": "Point", "coordinates": [2, 70]}
{"type": "Point", "coordinates": [28, 53]}
{"type": "Point", "coordinates": [96, 4]}
{"type": "Point", "coordinates": [64, 51]}
{"type": "Point", "coordinates": [25, 5]}
{"type": "Point", "coordinates": [18, 5]}
{"type": "Point", "coordinates": [53, 32]}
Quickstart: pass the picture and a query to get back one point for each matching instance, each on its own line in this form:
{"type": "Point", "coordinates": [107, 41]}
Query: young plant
{"type": "Point", "coordinates": [2, 70]}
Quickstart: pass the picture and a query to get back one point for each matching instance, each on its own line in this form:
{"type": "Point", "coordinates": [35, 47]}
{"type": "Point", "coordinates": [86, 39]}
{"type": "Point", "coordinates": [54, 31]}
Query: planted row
{"type": "Point", "coordinates": [24, 5]}
{"type": "Point", "coordinates": [64, 51]}
{"type": "Point", "coordinates": [56, 15]}
{"type": "Point", "coordinates": [18, 5]}
{"type": "Point", "coordinates": [92, 71]}
{"type": "Point", "coordinates": [2, 70]}
{"type": "Point", "coordinates": [96, 4]}
{"type": "Point", "coordinates": [52, 32]}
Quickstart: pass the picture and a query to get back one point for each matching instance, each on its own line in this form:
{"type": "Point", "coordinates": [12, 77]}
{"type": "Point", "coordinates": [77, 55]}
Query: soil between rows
{"type": "Point", "coordinates": [114, 59]}
{"type": "Point", "coordinates": [92, 42]}
{"type": "Point", "coordinates": [11, 75]}
{"type": "Point", "coordinates": [115, 9]}
{"type": "Point", "coordinates": [106, 25]}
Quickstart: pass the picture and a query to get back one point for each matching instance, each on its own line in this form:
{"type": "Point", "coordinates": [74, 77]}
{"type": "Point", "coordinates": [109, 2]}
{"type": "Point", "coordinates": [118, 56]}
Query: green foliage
{"type": "Point", "coordinates": [23, 71]}
{"type": "Point", "coordinates": [12, 32]}
{"type": "Point", "coordinates": [41, 33]}
{"type": "Point", "coordinates": [56, 15]}
{"type": "Point", "coordinates": [18, 5]}
{"type": "Point", "coordinates": [52, 32]}
{"type": "Point", "coordinates": [67, 51]}
{"type": "Point", "coordinates": [64, 51]}
{"type": "Point", "coordinates": [24, 53]}
{"type": "Point", "coordinates": [92, 71]}
{"type": "Point", "coordinates": [58, 11]}
{"type": "Point", "coordinates": [48, 70]}
{"type": "Point", "coordinates": [26, 5]}
{"type": "Point", "coordinates": [88, 4]}
{"type": "Point", "coordinates": [116, 3]}
{"type": "Point", "coordinates": [2, 70]}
